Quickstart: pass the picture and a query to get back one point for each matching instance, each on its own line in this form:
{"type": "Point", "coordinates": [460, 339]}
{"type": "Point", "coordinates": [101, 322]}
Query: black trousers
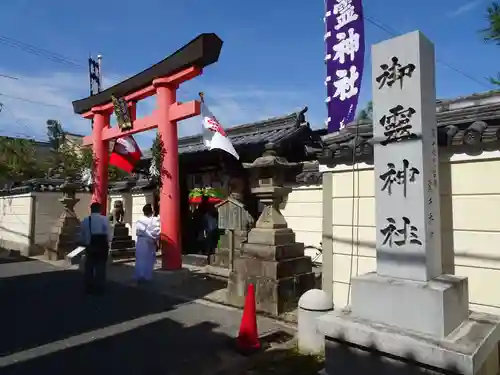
{"type": "Point", "coordinates": [210, 243]}
{"type": "Point", "coordinates": [95, 271]}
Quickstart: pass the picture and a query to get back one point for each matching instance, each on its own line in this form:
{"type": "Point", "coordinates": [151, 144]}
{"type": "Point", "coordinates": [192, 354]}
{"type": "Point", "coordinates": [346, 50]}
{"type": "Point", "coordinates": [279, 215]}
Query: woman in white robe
{"type": "Point", "coordinates": [148, 233]}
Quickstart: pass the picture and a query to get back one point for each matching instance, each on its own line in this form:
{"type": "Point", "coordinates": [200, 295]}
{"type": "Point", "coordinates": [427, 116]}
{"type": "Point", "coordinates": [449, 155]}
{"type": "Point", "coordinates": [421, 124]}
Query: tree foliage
{"type": "Point", "coordinates": [87, 162]}
{"type": "Point", "coordinates": [22, 159]}
{"type": "Point", "coordinates": [492, 32]}
{"type": "Point", "coordinates": [66, 159]}
{"type": "Point", "coordinates": [116, 174]}
{"type": "Point", "coordinates": [18, 159]}
{"type": "Point", "coordinates": [157, 154]}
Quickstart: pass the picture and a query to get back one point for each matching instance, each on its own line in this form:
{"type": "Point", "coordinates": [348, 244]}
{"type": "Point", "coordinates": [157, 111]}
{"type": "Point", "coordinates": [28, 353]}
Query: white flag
{"type": "Point", "coordinates": [214, 136]}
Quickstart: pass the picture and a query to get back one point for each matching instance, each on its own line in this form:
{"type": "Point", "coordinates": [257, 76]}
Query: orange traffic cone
{"type": "Point", "coordinates": [248, 337]}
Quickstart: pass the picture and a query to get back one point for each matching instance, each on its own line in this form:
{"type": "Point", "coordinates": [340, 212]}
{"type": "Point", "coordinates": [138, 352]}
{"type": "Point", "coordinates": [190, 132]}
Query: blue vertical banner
{"type": "Point", "coordinates": [345, 54]}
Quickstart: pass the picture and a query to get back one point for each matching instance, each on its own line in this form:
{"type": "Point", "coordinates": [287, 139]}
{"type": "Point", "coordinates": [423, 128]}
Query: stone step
{"type": "Point", "coordinates": [119, 245]}
{"type": "Point", "coordinates": [120, 231]}
{"type": "Point", "coordinates": [64, 237]}
{"type": "Point", "coordinates": [122, 238]}
{"type": "Point", "coordinates": [253, 267]}
{"type": "Point", "coordinates": [198, 260]}
{"type": "Point", "coordinates": [122, 253]}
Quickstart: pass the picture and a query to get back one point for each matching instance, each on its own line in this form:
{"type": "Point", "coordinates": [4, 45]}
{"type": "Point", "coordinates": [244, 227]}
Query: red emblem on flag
{"type": "Point", "coordinates": [213, 125]}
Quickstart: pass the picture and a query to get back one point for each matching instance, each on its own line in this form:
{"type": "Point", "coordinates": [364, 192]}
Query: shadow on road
{"type": "Point", "coordinates": [41, 308]}
{"type": "Point", "coordinates": [6, 257]}
{"type": "Point", "coordinates": [135, 335]}
{"type": "Point", "coordinates": [163, 347]}
{"type": "Point", "coordinates": [193, 286]}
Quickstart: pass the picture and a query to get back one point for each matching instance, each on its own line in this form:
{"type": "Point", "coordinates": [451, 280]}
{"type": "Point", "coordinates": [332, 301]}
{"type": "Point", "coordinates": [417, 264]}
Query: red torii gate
{"type": "Point", "coordinates": [163, 80]}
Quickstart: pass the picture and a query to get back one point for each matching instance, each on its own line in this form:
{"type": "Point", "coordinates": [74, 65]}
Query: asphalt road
{"type": "Point", "coordinates": [49, 326]}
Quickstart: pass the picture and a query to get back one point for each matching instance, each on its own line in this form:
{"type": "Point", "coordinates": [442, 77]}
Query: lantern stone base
{"type": "Point", "coordinates": [273, 295]}
{"type": "Point", "coordinates": [280, 274]}
{"type": "Point", "coordinates": [122, 245]}
{"type": "Point", "coordinates": [63, 236]}
{"type": "Point", "coordinates": [62, 239]}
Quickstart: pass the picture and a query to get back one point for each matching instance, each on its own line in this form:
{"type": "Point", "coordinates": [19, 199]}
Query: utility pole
{"type": "Point", "coordinates": [99, 64]}
{"type": "Point", "coordinates": [95, 77]}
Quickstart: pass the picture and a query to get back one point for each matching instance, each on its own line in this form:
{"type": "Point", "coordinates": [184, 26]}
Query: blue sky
{"type": "Point", "coordinates": [271, 63]}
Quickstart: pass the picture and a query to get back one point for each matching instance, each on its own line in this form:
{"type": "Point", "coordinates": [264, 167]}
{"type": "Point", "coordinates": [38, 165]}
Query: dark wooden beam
{"type": "Point", "coordinates": [202, 51]}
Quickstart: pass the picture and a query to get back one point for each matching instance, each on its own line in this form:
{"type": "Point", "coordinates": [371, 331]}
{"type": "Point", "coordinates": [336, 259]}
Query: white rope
{"type": "Point", "coordinates": [355, 200]}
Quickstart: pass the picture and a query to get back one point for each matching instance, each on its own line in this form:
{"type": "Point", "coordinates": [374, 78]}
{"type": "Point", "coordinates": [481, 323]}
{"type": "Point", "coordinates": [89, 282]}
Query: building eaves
{"type": "Point", "coordinates": [274, 130]}
{"type": "Point", "coordinates": [472, 121]}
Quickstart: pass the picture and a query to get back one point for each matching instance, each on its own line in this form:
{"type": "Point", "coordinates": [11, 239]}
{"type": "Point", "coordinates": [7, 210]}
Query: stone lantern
{"type": "Point", "coordinates": [271, 259]}
{"type": "Point", "coordinates": [64, 235]}
{"type": "Point", "coordinates": [267, 178]}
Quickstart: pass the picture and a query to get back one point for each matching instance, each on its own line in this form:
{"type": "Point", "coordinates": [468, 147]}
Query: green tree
{"type": "Point", "coordinates": [492, 32]}
{"type": "Point", "coordinates": [366, 113]}
{"type": "Point", "coordinates": [116, 174]}
{"type": "Point", "coordinates": [87, 161]}
{"type": "Point", "coordinates": [18, 159]}
{"type": "Point", "coordinates": [56, 136]}
{"type": "Point", "coordinates": [157, 155]}
{"type": "Point", "coordinates": [65, 157]}
{"type": "Point", "coordinates": [70, 161]}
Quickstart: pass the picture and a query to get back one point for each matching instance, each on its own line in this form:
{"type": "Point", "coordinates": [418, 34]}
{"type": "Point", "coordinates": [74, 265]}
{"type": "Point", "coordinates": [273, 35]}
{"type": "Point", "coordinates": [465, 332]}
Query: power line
{"type": "Point", "coordinates": [393, 32]}
{"type": "Point", "coordinates": [40, 52]}
{"type": "Point", "coordinates": [32, 101]}
{"type": "Point", "coordinates": [18, 122]}
{"type": "Point", "coordinates": [8, 76]}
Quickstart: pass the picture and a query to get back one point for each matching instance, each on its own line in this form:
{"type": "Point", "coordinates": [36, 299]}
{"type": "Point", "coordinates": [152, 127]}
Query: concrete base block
{"type": "Point", "coordinates": [273, 296]}
{"type": "Point", "coordinates": [433, 308]}
{"type": "Point", "coordinates": [263, 236]}
{"type": "Point", "coordinates": [359, 346]}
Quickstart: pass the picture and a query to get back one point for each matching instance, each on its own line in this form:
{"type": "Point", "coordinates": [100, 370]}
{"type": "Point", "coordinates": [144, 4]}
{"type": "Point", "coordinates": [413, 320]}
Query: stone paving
{"type": "Point", "coordinates": [50, 326]}
{"type": "Point", "coordinates": [199, 282]}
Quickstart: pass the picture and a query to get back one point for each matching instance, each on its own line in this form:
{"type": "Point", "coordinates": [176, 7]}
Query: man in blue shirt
{"type": "Point", "coordinates": [95, 236]}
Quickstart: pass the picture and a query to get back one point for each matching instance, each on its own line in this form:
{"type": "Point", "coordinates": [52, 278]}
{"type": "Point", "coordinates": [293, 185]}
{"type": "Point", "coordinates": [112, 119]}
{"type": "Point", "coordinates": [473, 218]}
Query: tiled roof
{"type": "Point", "coordinates": [472, 122]}
{"type": "Point", "coordinates": [275, 130]}
{"type": "Point", "coordinates": [310, 174]}
{"type": "Point", "coordinates": [39, 185]}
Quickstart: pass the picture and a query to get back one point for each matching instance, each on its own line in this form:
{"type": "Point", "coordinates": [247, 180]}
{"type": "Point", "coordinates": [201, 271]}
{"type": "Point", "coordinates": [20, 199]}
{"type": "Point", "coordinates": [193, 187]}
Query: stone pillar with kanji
{"type": "Point", "coordinates": [407, 317]}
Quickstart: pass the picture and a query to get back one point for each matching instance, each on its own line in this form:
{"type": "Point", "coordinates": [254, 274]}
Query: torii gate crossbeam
{"type": "Point", "coordinates": [162, 80]}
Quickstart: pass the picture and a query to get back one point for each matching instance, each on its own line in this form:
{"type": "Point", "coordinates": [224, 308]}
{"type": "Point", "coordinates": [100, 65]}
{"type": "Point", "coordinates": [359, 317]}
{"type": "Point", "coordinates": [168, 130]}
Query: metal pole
{"type": "Point", "coordinates": [99, 64]}
{"type": "Point", "coordinates": [230, 233]}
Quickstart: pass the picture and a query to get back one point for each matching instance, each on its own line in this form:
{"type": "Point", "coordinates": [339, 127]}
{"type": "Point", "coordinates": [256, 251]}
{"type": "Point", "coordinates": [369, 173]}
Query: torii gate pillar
{"type": "Point", "coordinates": [163, 80]}
{"type": "Point", "coordinates": [169, 171]}
{"type": "Point", "coordinates": [100, 150]}
{"type": "Point", "coordinates": [165, 117]}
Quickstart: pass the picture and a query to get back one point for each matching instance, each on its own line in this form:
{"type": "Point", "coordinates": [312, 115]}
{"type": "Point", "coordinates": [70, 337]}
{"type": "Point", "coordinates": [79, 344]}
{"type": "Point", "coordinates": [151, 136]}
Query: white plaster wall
{"type": "Point", "coordinates": [47, 211]}
{"type": "Point", "coordinates": [15, 218]}
{"type": "Point", "coordinates": [470, 209]}
{"type": "Point", "coordinates": [127, 201]}
{"type": "Point", "coordinates": [138, 202]}
{"type": "Point", "coordinates": [302, 210]}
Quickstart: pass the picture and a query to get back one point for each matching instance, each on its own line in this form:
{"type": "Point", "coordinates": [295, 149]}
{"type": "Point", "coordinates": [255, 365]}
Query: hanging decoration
{"type": "Point", "coordinates": [345, 53]}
